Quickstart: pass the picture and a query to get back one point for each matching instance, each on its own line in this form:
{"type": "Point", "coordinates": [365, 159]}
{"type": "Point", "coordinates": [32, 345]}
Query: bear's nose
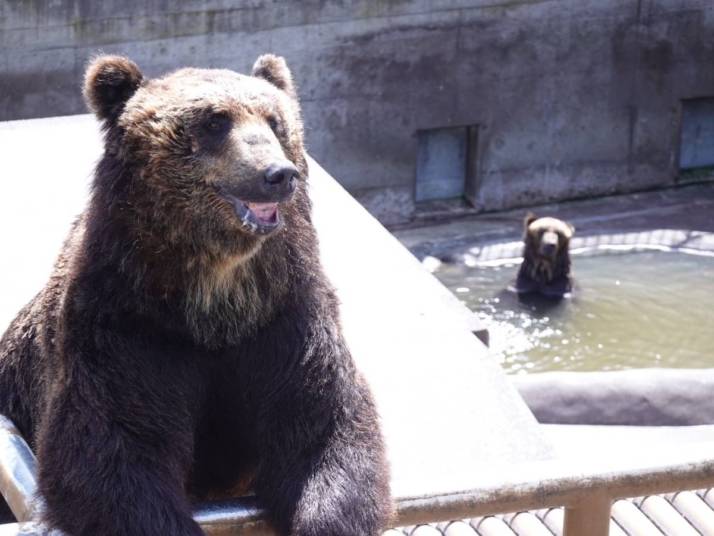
{"type": "Point", "coordinates": [548, 249]}
{"type": "Point", "coordinates": [278, 174]}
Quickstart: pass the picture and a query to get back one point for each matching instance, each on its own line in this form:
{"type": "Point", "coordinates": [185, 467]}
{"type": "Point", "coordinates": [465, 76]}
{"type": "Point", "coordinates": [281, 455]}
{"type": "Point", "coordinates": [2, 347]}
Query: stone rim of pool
{"type": "Point", "coordinates": [502, 253]}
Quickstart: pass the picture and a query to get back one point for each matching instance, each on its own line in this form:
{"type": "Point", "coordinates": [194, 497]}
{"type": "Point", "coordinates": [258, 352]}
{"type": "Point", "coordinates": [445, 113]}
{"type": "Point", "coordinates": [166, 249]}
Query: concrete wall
{"type": "Point", "coordinates": [572, 97]}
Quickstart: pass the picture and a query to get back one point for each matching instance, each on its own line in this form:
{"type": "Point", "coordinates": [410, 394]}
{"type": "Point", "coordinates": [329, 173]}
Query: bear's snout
{"type": "Point", "coordinates": [548, 250]}
{"type": "Point", "coordinates": [281, 178]}
{"type": "Point", "coordinates": [549, 244]}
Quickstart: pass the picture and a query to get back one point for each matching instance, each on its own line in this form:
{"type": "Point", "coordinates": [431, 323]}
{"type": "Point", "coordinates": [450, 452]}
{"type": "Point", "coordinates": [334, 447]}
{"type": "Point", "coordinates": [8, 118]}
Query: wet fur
{"type": "Point", "coordinates": [172, 356]}
{"type": "Point", "coordinates": [550, 277]}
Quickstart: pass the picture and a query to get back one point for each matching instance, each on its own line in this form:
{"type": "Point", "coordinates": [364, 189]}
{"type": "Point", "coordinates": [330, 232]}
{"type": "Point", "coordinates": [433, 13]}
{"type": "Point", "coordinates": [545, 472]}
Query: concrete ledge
{"type": "Point", "coordinates": [614, 442]}
{"type": "Point", "coordinates": [638, 397]}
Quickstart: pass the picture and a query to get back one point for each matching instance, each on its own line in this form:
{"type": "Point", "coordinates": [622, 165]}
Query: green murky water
{"type": "Point", "coordinates": [629, 310]}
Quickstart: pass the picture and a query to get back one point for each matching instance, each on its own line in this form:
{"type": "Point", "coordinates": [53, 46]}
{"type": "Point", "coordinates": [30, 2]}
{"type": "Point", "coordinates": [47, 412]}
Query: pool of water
{"type": "Point", "coordinates": [629, 309]}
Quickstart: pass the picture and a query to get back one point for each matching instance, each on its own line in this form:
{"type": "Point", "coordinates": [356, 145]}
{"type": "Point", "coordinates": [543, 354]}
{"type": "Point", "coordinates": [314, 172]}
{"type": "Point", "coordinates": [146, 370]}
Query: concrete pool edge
{"type": "Point", "coordinates": [688, 207]}
{"type": "Point", "coordinates": [684, 241]}
{"type": "Point", "coordinates": [633, 397]}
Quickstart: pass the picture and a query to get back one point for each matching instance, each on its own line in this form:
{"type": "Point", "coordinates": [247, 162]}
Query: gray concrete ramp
{"type": "Point", "coordinates": [448, 410]}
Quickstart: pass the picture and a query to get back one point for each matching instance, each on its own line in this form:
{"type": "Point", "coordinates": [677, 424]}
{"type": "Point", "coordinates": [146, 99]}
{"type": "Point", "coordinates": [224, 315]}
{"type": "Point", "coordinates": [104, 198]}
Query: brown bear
{"type": "Point", "coordinates": [188, 338]}
{"type": "Point", "coordinates": [546, 257]}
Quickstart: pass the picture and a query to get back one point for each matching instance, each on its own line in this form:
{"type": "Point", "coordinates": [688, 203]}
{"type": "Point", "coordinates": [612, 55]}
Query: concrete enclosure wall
{"type": "Point", "coordinates": [571, 98]}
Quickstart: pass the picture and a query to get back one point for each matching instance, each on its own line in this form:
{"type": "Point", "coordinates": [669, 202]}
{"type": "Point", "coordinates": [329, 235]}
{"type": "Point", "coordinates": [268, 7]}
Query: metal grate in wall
{"type": "Point", "coordinates": [697, 141]}
{"type": "Point", "coordinates": [446, 164]}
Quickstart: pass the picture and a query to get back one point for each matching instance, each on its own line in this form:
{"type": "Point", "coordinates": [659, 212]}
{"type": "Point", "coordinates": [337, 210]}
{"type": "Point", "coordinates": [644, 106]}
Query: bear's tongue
{"type": "Point", "coordinates": [265, 212]}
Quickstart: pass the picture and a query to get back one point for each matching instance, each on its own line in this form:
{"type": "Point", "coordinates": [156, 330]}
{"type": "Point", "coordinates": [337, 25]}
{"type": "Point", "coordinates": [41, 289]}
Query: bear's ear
{"type": "Point", "coordinates": [530, 218]}
{"type": "Point", "coordinates": [274, 69]}
{"type": "Point", "coordinates": [109, 82]}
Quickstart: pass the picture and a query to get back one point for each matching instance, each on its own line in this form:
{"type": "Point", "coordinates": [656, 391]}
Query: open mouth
{"type": "Point", "coordinates": [255, 217]}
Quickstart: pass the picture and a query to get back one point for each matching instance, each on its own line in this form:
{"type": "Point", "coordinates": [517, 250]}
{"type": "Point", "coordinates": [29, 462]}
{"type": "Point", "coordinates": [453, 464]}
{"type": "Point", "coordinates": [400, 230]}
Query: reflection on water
{"type": "Point", "coordinates": [644, 309]}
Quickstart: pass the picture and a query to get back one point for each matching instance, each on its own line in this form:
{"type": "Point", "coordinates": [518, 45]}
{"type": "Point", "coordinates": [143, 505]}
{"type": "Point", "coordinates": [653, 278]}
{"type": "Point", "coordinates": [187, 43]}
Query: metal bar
{"type": "Point", "coordinates": [239, 516]}
{"type": "Point", "coordinates": [589, 518]}
{"type": "Point", "coordinates": [27, 529]}
{"type": "Point", "coordinates": [553, 484]}
{"type": "Point", "coordinates": [18, 468]}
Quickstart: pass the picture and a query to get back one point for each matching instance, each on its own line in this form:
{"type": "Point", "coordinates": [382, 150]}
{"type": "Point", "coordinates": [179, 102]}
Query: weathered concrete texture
{"type": "Point", "coordinates": [572, 98]}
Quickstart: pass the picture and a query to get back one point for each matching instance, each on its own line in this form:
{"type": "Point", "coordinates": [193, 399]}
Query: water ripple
{"type": "Point", "coordinates": [638, 306]}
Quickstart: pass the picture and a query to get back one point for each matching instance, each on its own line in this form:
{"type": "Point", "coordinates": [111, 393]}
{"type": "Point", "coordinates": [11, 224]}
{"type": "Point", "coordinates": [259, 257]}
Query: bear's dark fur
{"type": "Point", "coordinates": [546, 257]}
{"type": "Point", "coordinates": [188, 339]}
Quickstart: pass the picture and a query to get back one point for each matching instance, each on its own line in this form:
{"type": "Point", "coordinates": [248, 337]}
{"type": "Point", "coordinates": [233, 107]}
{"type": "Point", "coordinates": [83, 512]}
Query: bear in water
{"type": "Point", "coordinates": [546, 258]}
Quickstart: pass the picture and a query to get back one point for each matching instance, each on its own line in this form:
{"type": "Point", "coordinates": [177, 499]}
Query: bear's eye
{"type": "Point", "coordinates": [213, 130]}
{"type": "Point", "coordinates": [217, 124]}
{"type": "Point", "coordinates": [274, 124]}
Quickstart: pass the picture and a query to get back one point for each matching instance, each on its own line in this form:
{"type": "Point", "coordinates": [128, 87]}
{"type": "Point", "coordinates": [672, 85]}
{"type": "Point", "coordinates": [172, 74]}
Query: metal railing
{"type": "Point", "coordinates": [586, 489]}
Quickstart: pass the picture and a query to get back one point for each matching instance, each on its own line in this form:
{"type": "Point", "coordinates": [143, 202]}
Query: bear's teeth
{"type": "Point", "coordinates": [265, 212]}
